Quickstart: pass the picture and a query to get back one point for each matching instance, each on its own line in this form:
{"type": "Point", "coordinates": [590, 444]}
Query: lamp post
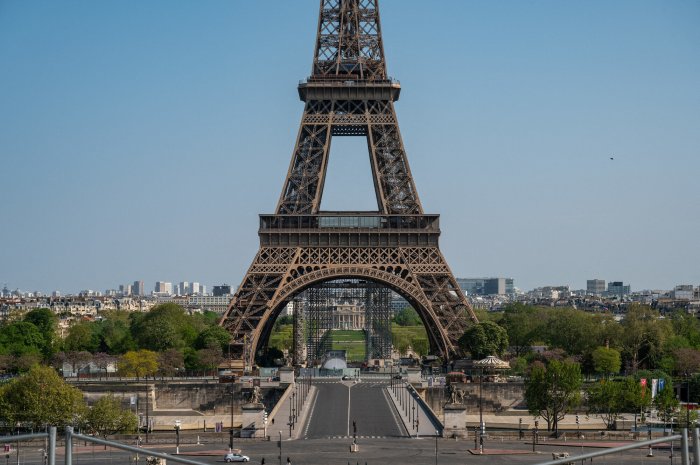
{"type": "Point", "coordinates": [481, 412]}
{"type": "Point", "coordinates": [520, 428]}
{"type": "Point", "coordinates": [687, 400]}
{"type": "Point", "coordinates": [534, 435]}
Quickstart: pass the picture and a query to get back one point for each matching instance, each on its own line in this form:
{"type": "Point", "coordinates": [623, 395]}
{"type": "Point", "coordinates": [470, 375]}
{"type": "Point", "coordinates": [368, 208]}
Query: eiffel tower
{"type": "Point", "coordinates": [348, 94]}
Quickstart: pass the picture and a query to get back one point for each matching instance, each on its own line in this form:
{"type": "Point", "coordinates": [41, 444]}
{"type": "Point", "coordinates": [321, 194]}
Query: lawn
{"type": "Point", "coordinates": [352, 342]}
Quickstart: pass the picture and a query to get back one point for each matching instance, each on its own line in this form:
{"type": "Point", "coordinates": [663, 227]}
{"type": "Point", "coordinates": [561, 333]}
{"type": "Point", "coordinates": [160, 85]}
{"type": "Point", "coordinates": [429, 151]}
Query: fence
{"type": "Point", "coordinates": [685, 456]}
{"type": "Point", "coordinates": [70, 436]}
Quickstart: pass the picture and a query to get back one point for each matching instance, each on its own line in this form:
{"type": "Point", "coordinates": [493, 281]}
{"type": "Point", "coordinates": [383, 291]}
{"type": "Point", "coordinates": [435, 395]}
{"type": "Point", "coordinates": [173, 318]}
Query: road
{"type": "Point", "coordinates": [339, 403]}
{"type": "Point", "coordinates": [399, 451]}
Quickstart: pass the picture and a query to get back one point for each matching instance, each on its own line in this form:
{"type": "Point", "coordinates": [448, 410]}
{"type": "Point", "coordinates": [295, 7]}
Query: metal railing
{"type": "Point", "coordinates": [50, 434]}
{"type": "Point", "coordinates": [685, 456]}
{"type": "Point", "coordinates": [70, 435]}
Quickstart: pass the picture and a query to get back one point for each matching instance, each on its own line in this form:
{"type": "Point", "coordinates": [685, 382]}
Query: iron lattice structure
{"type": "Point", "coordinates": [348, 94]}
{"type": "Point", "coordinates": [316, 307]}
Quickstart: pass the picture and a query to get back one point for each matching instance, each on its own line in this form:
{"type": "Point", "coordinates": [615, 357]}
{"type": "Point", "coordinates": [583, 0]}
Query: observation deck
{"type": "Point", "coordinates": [348, 88]}
{"type": "Point", "coordinates": [350, 229]}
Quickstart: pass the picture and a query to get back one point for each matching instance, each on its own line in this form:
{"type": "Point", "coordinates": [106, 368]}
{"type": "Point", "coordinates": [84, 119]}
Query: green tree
{"type": "Point", "coordinates": [19, 338]}
{"type": "Point", "coordinates": [115, 333]}
{"type": "Point", "coordinates": [522, 325]}
{"type": "Point", "coordinates": [420, 346]}
{"type": "Point", "coordinates": [213, 336]}
{"type": "Point", "coordinates": [166, 326]}
{"type": "Point", "coordinates": [606, 361]}
{"type": "Point", "coordinates": [139, 364]}
{"type": "Point", "coordinates": [407, 317]}
{"type": "Point", "coordinates": [609, 399]}
{"type": "Point", "coordinates": [553, 390]}
{"type": "Point", "coordinates": [570, 329]}
{"type": "Point", "coordinates": [107, 417]}
{"type": "Point", "coordinates": [666, 401]}
{"type": "Point", "coordinates": [484, 339]}
{"type": "Point", "coordinates": [47, 323]}
{"type": "Point", "coordinates": [643, 336]}
{"type": "Point", "coordinates": [82, 336]}
{"type": "Point", "coordinates": [40, 397]}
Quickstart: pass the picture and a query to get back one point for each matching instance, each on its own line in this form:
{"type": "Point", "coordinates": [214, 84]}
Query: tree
{"type": "Point", "coordinates": [139, 364]}
{"type": "Point", "coordinates": [214, 335]}
{"type": "Point", "coordinates": [553, 390]}
{"type": "Point", "coordinates": [103, 362]}
{"type": "Point", "coordinates": [609, 399]}
{"type": "Point", "coordinates": [606, 361]}
{"type": "Point", "coordinates": [687, 361]}
{"type": "Point", "coordinates": [108, 417]}
{"type": "Point", "coordinates": [170, 362]}
{"type": "Point", "coordinates": [522, 325]}
{"type": "Point", "coordinates": [166, 326]}
{"type": "Point", "coordinates": [420, 346]}
{"type": "Point", "coordinates": [19, 338]}
{"type": "Point", "coordinates": [40, 397]}
{"type": "Point", "coordinates": [484, 339]}
{"type": "Point", "coordinates": [47, 323]}
{"type": "Point", "coordinates": [82, 336]}
{"type": "Point", "coordinates": [643, 335]}
{"type": "Point", "coordinates": [665, 401]}
{"type": "Point", "coordinates": [209, 358]}
{"type": "Point", "coordinates": [407, 317]}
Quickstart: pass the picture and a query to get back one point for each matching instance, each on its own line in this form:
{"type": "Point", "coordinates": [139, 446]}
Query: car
{"type": "Point", "coordinates": [345, 378]}
{"type": "Point", "coordinates": [398, 377]}
{"type": "Point", "coordinates": [236, 458]}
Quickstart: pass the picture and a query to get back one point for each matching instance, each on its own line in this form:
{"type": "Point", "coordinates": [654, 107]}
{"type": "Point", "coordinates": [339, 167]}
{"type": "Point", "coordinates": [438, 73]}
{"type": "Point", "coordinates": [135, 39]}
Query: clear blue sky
{"type": "Point", "coordinates": [140, 140]}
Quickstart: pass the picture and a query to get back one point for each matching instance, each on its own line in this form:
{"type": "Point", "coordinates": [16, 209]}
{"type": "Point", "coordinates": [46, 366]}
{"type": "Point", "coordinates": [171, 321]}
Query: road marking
{"type": "Point", "coordinates": [349, 387]}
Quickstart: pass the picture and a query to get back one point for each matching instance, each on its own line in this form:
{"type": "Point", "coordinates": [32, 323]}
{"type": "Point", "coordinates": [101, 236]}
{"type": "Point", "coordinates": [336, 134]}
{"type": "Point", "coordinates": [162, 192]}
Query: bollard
{"type": "Point", "coordinates": [69, 445]}
{"type": "Point", "coordinates": [684, 447]}
{"type": "Point", "coordinates": [52, 445]}
{"type": "Point", "coordinates": [696, 446]}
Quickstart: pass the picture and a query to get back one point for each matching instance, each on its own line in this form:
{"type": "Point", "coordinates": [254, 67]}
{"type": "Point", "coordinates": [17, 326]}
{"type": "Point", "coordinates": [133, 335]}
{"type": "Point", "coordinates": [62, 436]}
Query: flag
{"type": "Point", "coordinates": [643, 383]}
{"type": "Point", "coordinates": [654, 384]}
{"type": "Point", "coordinates": [662, 383]}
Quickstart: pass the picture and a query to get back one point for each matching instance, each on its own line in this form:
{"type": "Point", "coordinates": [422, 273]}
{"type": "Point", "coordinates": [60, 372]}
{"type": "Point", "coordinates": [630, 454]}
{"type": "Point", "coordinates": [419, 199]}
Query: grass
{"type": "Point", "coordinates": [352, 342]}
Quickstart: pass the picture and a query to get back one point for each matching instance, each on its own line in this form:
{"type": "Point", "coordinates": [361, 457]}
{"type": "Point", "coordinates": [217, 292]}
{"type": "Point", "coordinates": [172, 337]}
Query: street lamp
{"type": "Point", "coordinates": [482, 427]}
{"type": "Point", "coordinates": [280, 445]}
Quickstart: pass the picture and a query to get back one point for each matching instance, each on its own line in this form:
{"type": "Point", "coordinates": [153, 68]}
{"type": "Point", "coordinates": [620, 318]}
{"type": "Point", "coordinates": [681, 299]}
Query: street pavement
{"type": "Point", "coordinates": [339, 403]}
{"type": "Point", "coordinates": [399, 451]}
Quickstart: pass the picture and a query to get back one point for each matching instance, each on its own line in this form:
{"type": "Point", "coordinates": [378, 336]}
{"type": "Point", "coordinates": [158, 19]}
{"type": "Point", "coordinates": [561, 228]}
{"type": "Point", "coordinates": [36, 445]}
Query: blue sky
{"type": "Point", "coordinates": [140, 140]}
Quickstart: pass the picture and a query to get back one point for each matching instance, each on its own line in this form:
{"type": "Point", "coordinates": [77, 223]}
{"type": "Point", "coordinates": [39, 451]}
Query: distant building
{"type": "Point", "coordinates": [138, 288]}
{"type": "Point", "coordinates": [183, 288]}
{"type": "Point", "coordinates": [683, 292]}
{"type": "Point", "coordinates": [487, 286]}
{"type": "Point", "coordinates": [223, 289]}
{"type": "Point", "coordinates": [164, 288]}
{"type": "Point", "coordinates": [617, 288]}
{"type": "Point", "coordinates": [595, 286]}
{"type": "Point", "coordinates": [398, 303]}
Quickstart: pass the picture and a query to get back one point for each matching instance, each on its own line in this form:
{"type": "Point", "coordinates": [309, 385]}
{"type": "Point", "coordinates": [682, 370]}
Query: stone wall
{"type": "Point", "coordinates": [497, 397]}
{"type": "Point", "coordinates": [192, 402]}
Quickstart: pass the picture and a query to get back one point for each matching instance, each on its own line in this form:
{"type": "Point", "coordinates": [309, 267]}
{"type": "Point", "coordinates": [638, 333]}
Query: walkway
{"type": "Point", "coordinates": [410, 407]}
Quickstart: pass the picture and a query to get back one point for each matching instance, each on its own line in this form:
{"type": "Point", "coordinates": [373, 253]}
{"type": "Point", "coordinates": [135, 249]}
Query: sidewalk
{"type": "Point", "coordinates": [404, 402]}
{"type": "Point", "coordinates": [282, 416]}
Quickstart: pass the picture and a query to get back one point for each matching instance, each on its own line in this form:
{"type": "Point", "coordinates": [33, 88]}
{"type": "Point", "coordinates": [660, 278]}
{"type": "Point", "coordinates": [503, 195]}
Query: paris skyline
{"type": "Point", "coordinates": [558, 142]}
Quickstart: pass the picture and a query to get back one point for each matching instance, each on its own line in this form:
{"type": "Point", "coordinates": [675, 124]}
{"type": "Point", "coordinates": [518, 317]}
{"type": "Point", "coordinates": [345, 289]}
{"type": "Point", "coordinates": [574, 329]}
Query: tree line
{"type": "Point", "coordinates": [164, 341]}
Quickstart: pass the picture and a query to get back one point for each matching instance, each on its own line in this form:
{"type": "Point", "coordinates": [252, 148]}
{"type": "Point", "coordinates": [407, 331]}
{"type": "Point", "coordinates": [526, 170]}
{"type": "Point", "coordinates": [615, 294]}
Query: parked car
{"type": "Point", "coordinates": [345, 378]}
{"type": "Point", "coordinates": [236, 458]}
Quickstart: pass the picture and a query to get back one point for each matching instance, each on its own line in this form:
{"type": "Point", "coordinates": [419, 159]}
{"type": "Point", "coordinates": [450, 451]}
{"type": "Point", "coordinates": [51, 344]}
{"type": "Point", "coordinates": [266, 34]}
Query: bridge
{"type": "Point", "coordinates": [378, 407]}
